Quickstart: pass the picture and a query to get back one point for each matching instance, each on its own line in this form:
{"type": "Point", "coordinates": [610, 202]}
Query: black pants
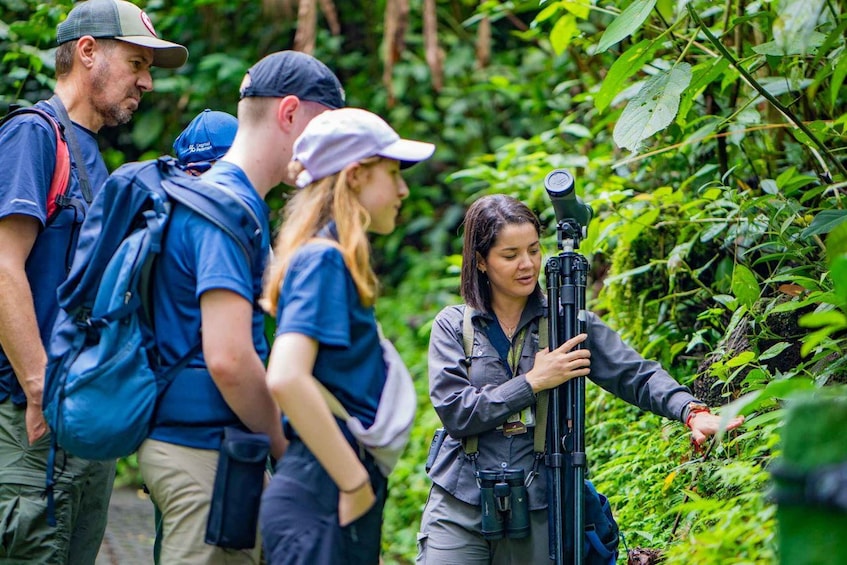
{"type": "Point", "coordinates": [299, 515]}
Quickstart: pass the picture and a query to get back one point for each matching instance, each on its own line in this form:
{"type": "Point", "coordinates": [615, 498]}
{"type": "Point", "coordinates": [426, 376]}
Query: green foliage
{"type": "Point", "coordinates": [663, 498]}
{"type": "Point", "coordinates": [708, 240]}
{"type": "Point", "coordinates": [707, 137]}
{"type": "Point", "coordinates": [406, 315]}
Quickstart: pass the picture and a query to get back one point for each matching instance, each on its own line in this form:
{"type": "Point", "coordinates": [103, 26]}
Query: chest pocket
{"type": "Point", "coordinates": [489, 367]}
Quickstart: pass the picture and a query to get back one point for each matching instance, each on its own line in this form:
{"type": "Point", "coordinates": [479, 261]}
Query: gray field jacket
{"type": "Point", "coordinates": [479, 407]}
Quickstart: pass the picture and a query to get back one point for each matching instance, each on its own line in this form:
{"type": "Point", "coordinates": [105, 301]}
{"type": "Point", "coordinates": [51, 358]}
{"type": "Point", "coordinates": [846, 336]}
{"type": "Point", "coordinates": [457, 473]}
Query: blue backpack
{"type": "Point", "coordinates": [602, 535]}
{"type": "Point", "coordinates": [104, 373]}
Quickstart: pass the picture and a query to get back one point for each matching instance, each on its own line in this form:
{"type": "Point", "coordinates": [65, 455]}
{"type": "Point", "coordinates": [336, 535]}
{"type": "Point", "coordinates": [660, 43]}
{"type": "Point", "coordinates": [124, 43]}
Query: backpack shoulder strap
{"type": "Point", "coordinates": [334, 404]}
{"type": "Point", "coordinates": [56, 103]}
{"type": "Point", "coordinates": [467, 333]}
{"type": "Point", "coordinates": [470, 444]}
{"type": "Point", "coordinates": [62, 167]}
{"type": "Point", "coordinates": [214, 202]}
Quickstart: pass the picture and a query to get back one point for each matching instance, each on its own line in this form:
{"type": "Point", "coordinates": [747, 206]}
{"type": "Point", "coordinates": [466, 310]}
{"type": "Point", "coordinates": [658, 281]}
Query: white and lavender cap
{"type": "Point", "coordinates": [337, 138]}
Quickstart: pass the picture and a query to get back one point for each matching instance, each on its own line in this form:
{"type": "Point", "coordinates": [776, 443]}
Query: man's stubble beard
{"type": "Point", "coordinates": [113, 114]}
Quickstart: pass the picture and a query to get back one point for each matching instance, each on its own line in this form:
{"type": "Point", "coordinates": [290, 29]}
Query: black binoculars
{"type": "Point", "coordinates": [505, 510]}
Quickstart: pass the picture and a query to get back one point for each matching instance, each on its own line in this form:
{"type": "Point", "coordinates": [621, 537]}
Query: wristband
{"type": "Point", "coordinates": [357, 487]}
{"type": "Point", "coordinates": [695, 408]}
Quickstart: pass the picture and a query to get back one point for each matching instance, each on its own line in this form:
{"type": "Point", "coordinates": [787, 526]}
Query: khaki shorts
{"type": "Point", "coordinates": [81, 496]}
{"type": "Point", "coordinates": [450, 535]}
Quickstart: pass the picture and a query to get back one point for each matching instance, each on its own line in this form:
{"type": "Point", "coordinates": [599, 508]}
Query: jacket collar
{"type": "Point", "coordinates": [536, 306]}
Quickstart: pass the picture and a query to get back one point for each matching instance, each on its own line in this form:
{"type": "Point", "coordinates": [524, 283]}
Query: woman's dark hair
{"type": "Point", "coordinates": [484, 221]}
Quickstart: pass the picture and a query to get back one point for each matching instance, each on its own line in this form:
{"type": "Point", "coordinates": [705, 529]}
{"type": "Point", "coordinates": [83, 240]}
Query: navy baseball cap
{"type": "Point", "coordinates": [206, 138]}
{"type": "Point", "coordinates": [118, 19]}
{"type": "Point", "coordinates": [292, 73]}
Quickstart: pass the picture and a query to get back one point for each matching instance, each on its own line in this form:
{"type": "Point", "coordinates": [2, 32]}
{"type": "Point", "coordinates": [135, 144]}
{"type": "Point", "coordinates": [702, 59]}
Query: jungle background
{"type": "Point", "coordinates": [708, 137]}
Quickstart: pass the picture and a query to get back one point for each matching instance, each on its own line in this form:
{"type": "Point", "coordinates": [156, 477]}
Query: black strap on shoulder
{"type": "Point", "coordinates": [168, 376]}
{"type": "Point", "coordinates": [67, 126]}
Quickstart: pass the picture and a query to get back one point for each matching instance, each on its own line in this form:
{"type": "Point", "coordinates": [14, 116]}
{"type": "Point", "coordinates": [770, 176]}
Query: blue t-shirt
{"type": "Point", "coordinates": [27, 160]}
{"type": "Point", "coordinates": [318, 299]}
{"type": "Point", "coordinates": [197, 257]}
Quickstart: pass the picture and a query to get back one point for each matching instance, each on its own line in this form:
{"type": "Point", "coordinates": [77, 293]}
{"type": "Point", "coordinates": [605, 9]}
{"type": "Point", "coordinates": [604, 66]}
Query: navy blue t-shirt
{"type": "Point", "coordinates": [198, 257]}
{"type": "Point", "coordinates": [318, 299]}
{"type": "Point", "coordinates": [27, 160]}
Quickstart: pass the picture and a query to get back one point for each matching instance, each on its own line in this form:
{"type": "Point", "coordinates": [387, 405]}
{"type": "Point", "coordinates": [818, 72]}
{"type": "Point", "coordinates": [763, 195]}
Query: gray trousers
{"type": "Point", "coordinates": [81, 493]}
{"type": "Point", "coordinates": [450, 535]}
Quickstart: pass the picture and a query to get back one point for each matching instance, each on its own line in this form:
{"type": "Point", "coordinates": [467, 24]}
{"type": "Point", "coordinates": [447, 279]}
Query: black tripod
{"type": "Point", "coordinates": [566, 278]}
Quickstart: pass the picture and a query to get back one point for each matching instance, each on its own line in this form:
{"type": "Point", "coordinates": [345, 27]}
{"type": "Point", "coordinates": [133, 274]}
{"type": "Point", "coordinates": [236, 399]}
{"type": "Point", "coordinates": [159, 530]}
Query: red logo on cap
{"type": "Point", "coordinates": [145, 19]}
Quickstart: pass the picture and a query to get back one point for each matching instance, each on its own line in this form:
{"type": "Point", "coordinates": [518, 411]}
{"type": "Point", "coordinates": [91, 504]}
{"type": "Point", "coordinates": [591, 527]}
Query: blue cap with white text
{"type": "Point", "coordinates": [207, 138]}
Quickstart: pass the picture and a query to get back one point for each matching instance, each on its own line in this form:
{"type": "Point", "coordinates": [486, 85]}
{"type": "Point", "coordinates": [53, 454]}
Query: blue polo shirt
{"type": "Point", "coordinates": [318, 299]}
{"type": "Point", "coordinates": [27, 160]}
{"type": "Point", "coordinates": [198, 257]}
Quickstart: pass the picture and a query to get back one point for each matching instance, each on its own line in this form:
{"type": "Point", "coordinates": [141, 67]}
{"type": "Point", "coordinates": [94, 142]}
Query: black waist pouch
{"type": "Point", "coordinates": [234, 513]}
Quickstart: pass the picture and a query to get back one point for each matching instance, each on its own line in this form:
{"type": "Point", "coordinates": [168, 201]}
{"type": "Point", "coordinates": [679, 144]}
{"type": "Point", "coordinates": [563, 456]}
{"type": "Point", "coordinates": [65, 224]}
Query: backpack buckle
{"type": "Point", "coordinates": [83, 318]}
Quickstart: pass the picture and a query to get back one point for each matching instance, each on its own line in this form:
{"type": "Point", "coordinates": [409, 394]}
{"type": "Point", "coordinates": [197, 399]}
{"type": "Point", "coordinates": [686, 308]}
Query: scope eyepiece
{"type": "Point", "coordinates": [559, 182]}
{"type": "Point", "coordinates": [566, 204]}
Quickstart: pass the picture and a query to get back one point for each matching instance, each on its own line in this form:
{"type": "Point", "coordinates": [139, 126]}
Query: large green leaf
{"type": "Point", "coordinates": [777, 389]}
{"type": "Point", "coordinates": [836, 252]}
{"type": "Point", "coordinates": [627, 22]}
{"type": "Point", "coordinates": [653, 108]}
{"type": "Point", "coordinates": [745, 286]}
{"type": "Point", "coordinates": [579, 8]}
{"type": "Point", "coordinates": [825, 222]}
{"type": "Point", "coordinates": [562, 33]}
{"type": "Point", "coordinates": [838, 76]}
{"type": "Point", "coordinates": [779, 49]}
{"type": "Point", "coordinates": [836, 241]}
{"type": "Point", "coordinates": [624, 67]}
{"type": "Point", "coordinates": [838, 271]}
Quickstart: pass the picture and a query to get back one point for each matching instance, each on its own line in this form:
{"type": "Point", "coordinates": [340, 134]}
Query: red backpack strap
{"type": "Point", "coordinates": [61, 174]}
{"type": "Point", "coordinates": [62, 167]}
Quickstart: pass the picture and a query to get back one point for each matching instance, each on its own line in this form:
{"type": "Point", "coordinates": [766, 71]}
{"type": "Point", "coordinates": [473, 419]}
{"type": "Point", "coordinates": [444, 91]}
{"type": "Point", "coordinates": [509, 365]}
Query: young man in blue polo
{"type": "Point", "coordinates": [106, 48]}
{"type": "Point", "coordinates": [206, 291]}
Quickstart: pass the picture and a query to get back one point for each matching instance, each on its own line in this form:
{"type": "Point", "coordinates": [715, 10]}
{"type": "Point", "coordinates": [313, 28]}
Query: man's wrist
{"type": "Point", "coordinates": [34, 397]}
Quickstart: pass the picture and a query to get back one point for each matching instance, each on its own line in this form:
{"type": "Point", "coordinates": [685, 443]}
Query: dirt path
{"type": "Point", "coordinates": [130, 532]}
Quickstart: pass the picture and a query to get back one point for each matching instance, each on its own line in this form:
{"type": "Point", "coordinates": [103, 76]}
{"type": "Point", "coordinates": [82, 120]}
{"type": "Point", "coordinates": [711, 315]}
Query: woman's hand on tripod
{"type": "Point", "coordinates": [553, 368]}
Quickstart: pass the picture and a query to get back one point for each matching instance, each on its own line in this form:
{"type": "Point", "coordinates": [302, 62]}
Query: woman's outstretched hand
{"type": "Point", "coordinates": [564, 363]}
{"type": "Point", "coordinates": [705, 424]}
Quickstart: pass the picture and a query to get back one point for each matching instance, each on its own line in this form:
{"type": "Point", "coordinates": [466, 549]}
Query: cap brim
{"type": "Point", "coordinates": [408, 152]}
{"type": "Point", "coordinates": [166, 54]}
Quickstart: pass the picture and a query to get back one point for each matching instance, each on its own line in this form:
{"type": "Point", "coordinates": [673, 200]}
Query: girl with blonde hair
{"type": "Point", "coordinates": [325, 501]}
